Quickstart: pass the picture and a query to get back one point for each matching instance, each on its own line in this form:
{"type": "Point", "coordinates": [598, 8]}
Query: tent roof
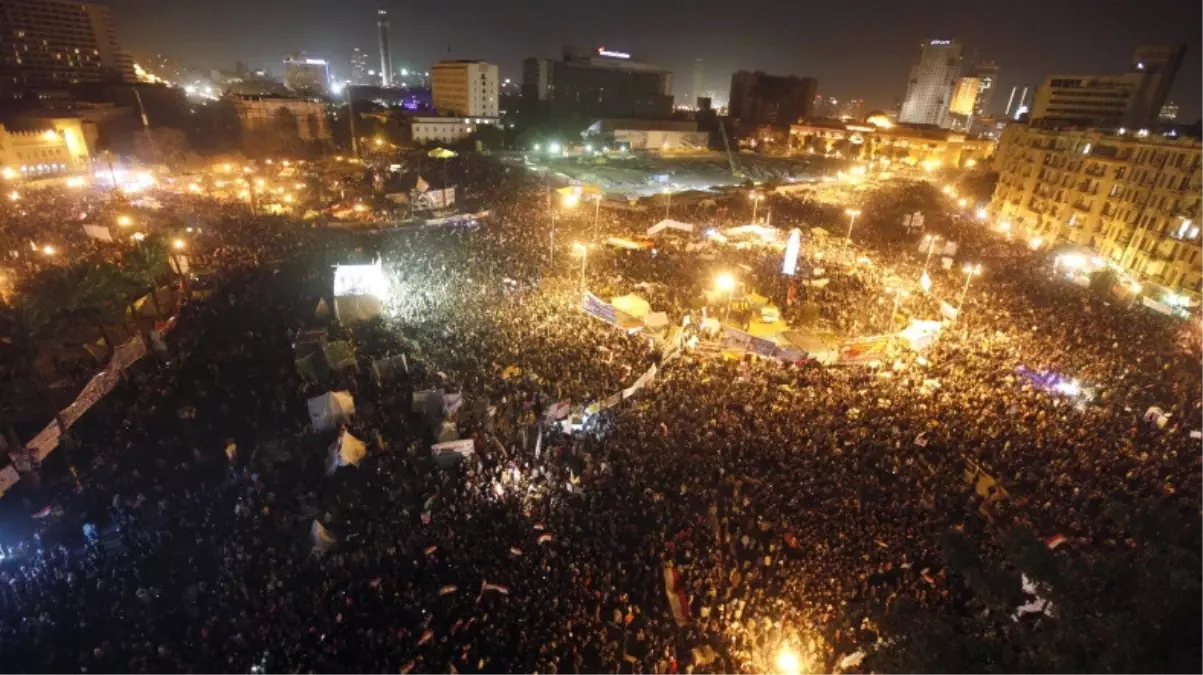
{"type": "Point", "coordinates": [668, 223]}
{"type": "Point", "coordinates": [632, 304]}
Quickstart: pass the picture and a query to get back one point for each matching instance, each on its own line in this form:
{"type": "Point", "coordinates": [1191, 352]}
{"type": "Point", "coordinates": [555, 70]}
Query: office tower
{"type": "Point", "coordinates": [758, 98]}
{"type": "Point", "coordinates": [933, 77]}
{"type": "Point", "coordinates": [596, 83]}
{"type": "Point", "coordinates": [986, 73]}
{"type": "Point", "coordinates": [46, 43]}
{"type": "Point", "coordinates": [1169, 112]}
{"type": "Point", "coordinates": [359, 67]}
{"type": "Point", "coordinates": [1132, 99]}
{"type": "Point", "coordinates": [695, 89]}
{"type": "Point", "coordinates": [386, 58]}
{"type": "Point", "coordinates": [464, 88]}
{"type": "Point", "coordinates": [307, 77]}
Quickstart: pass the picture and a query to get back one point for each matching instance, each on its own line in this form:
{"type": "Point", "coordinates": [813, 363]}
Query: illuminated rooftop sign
{"type": "Point", "coordinates": [941, 42]}
{"type": "Point", "coordinates": [614, 55]}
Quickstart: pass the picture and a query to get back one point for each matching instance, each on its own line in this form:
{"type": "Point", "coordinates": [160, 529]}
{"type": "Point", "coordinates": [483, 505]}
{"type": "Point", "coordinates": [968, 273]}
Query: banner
{"type": "Point", "coordinates": [98, 232]}
{"type": "Point", "coordinates": [948, 311]}
{"type": "Point", "coordinates": [676, 595]}
{"type": "Point", "coordinates": [599, 308]}
{"type": "Point", "coordinates": [1152, 304]}
{"type": "Point", "coordinates": [790, 264]}
{"type": "Point", "coordinates": [640, 383]}
{"type": "Point", "coordinates": [434, 199]}
{"type": "Point", "coordinates": [864, 350]}
{"type": "Point", "coordinates": [558, 411]}
{"type": "Point", "coordinates": [463, 448]}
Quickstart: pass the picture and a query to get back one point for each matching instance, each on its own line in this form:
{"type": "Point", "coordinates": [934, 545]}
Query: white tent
{"type": "Point", "coordinates": [632, 305]}
{"type": "Point", "coordinates": [330, 409]}
{"type": "Point", "coordinates": [347, 450]}
{"type": "Point", "coordinates": [668, 223]}
{"type": "Point", "coordinates": [354, 308]}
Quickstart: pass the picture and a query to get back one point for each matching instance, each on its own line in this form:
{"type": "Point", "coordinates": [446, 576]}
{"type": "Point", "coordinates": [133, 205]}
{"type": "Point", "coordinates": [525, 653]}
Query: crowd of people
{"type": "Point", "coordinates": [731, 511]}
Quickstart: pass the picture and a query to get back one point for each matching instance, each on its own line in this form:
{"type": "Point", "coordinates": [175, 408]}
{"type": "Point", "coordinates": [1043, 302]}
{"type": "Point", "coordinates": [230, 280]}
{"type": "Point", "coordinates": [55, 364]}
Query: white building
{"type": "Point", "coordinates": [446, 129]}
{"type": "Point", "coordinates": [467, 88]}
{"type": "Point", "coordinates": [933, 79]}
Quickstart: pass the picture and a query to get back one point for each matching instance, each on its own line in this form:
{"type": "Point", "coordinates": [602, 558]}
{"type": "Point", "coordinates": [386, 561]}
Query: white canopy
{"type": "Point", "coordinates": [632, 305]}
{"type": "Point", "coordinates": [668, 223]}
{"type": "Point", "coordinates": [330, 409]}
{"type": "Point", "coordinates": [763, 231]}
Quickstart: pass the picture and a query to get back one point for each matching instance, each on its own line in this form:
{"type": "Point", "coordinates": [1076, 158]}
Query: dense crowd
{"type": "Point", "coordinates": [732, 509]}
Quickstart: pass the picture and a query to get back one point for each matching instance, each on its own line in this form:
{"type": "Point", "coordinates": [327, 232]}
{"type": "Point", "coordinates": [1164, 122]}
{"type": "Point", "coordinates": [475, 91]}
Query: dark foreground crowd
{"type": "Point", "coordinates": [729, 511]}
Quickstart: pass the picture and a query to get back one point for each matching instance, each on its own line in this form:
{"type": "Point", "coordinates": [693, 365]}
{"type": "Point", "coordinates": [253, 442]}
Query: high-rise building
{"type": "Point", "coordinates": [1132, 99]}
{"type": "Point", "coordinates": [47, 43]}
{"type": "Point", "coordinates": [758, 98]}
{"type": "Point", "coordinates": [1133, 196]}
{"type": "Point", "coordinates": [696, 89]}
{"type": "Point", "coordinates": [386, 57]}
{"type": "Point", "coordinates": [1169, 112]}
{"type": "Point", "coordinates": [986, 73]}
{"type": "Point", "coordinates": [307, 77]}
{"type": "Point", "coordinates": [1018, 102]}
{"type": "Point", "coordinates": [600, 83]}
{"type": "Point", "coordinates": [930, 88]}
{"type": "Point", "coordinates": [359, 68]}
{"type": "Point", "coordinates": [464, 88]}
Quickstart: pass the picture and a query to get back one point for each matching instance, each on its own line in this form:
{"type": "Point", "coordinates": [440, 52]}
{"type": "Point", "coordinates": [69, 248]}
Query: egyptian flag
{"type": "Point", "coordinates": [538, 526]}
{"type": "Point", "coordinates": [449, 588]}
{"type": "Point", "coordinates": [427, 636]}
{"type": "Point", "coordinates": [676, 595]}
{"type": "Point", "coordinates": [486, 586]}
{"type": "Point", "coordinates": [44, 513]}
{"type": "Point", "coordinates": [406, 669]}
{"type": "Point", "coordinates": [515, 551]}
{"type": "Point", "coordinates": [1054, 541]}
{"type": "Point", "coordinates": [430, 549]}
{"type": "Point", "coordinates": [545, 538]}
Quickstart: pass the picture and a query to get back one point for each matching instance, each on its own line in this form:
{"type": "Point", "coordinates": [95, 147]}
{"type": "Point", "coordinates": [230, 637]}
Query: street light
{"type": "Point", "coordinates": [596, 212]}
{"type": "Point", "coordinates": [852, 214]}
{"type": "Point", "coordinates": [970, 272]}
{"type": "Point", "coordinates": [755, 197]}
{"type": "Point", "coordinates": [178, 244]}
{"type": "Point", "coordinates": [725, 283]}
{"type": "Point", "coordinates": [48, 249]}
{"type": "Point", "coordinates": [583, 251]}
{"type": "Point", "coordinates": [668, 200]}
{"type": "Point", "coordinates": [981, 214]}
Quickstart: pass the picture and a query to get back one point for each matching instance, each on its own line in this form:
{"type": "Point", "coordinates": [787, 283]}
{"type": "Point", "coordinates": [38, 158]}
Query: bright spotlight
{"type": "Point", "coordinates": [787, 662]}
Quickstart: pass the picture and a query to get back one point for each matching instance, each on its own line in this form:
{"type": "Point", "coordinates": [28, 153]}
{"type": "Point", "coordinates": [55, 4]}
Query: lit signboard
{"type": "Point", "coordinates": [614, 55]}
{"type": "Point", "coordinates": [941, 42]}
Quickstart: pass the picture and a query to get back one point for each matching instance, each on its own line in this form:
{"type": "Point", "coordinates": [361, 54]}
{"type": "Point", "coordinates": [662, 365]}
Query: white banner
{"type": "Point", "coordinates": [98, 232]}
{"type": "Point", "coordinates": [464, 448]}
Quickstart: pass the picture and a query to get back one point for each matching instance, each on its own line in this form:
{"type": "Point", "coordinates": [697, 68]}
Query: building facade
{"type": "Point", "coordinates": [465, 88]}
{"type": "Point", "coordinates": [933, 79]}
{"type": "Point", "coordinates": [53, 43]}
{"type": "Point", "coordinates": [595, 84]}
{"type": "Point", "coordinates": [58, 146]}
{"type": "Point", "coordinates": [757, 98]}
{"type": "Point", "coordinates": [446, 129]}
{"type": "Point", "coordinates": [307, 77]}
{"type": "Point", "coordinates": [648, 135]}
{"type": "Point", "coordinates": [1132, 99]}
{"type": "Point", "coordinates": [1134, 198]}
{"type": "Point", "coordinates": [986, 73]}
{"type": "Point", "coordinates": [258, 114]}
{"type": "Point", "coordinates": [911, 145]}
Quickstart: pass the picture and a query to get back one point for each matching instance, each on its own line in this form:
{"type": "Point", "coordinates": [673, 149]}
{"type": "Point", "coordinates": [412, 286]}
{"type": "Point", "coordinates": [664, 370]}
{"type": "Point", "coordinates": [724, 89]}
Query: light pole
{"type": "Point", "coordinates": [970, 272]}
{"type": "Point", "coordinates": [725, 283]}
{"type": "Point", "coordinates": [755, 197]}
{"type": "Point", "coordinates": [596, 213]}
{"type": "Point", "coordinates": [583, 251]}
{"type": "Point", "coordinates": [852, 214]}
{"type": "Point", "coordinates": [668, 200]}
{"type": "Point", "coordinates": [932, 239]}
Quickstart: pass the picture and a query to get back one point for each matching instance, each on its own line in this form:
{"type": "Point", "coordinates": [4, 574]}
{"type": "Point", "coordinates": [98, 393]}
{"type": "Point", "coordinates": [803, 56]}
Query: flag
{"type": "Point", "coordinates": [514, 550]}
{"type": "Point", "coordinates": [449, 588]}
{"type": "Point", "coordinates": [406, 669]}
{"type": "Point", "coordinates": [546, 537]}
{"type": "Point", "coordinates": [676, 595]}
{"type": "Point", "coordinates": [426, 517]}
{"type": "Point", "coordinates": [538, 526]}
{"type": "Point", "coordinates": [427, 636]}
{"type": "Point", "coordinates": [430, 549]}
{"type": "Point", "coordinates": [925, 282]}
{"type": "Point", "coordinates": [539, 445]}
{"type": "Point", "coordinates": [374, 583]}
{"type": "Point", "coordinates": [322, 539]}
{"type": "Point", "coordinates": [422, 186]}
{"type": "Point", "coordinates": [1054, 541]}
{"type": "Point", "coordinates": [44, 513]}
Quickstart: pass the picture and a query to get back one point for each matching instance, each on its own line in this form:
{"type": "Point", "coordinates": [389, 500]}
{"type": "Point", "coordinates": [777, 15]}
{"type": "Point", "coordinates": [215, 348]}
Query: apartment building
{"type": "Point", "coordinates": [1132, 197]}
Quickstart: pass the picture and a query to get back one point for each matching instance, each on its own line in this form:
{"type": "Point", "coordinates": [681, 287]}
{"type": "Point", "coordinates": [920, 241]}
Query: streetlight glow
{"type": "Point", "coordinates": [787, 662]}
{"type": "Point", "coordinates": [124, 221]}
{"type": "Point", "coordinates": [48, 249]}
{"type": "Point", "coordinates": [178, 244]}
{"type": "Point", "coordinates": [725, 283]}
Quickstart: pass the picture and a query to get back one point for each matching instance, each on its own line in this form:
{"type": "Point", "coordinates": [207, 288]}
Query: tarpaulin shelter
{"type": "Point", "coordinates": [669, 224]}
{"type": "Point", "coordinates": [389, 367]}
{"type": "Point", "coordinates": [346, 451]}
{"type": "Point", "coordinates": [340, 356]}
{"type": "Point", "coordinates": [632, 305]}
{"type": "Point", "coordinates": [356, 308]}
{"type": "Point", "coordinates": [330, 409]}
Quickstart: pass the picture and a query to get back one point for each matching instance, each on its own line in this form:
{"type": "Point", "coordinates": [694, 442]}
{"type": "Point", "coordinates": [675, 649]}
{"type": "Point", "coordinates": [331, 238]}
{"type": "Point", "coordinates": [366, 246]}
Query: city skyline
{"type": "Point", "coordinates": [1069, 37]}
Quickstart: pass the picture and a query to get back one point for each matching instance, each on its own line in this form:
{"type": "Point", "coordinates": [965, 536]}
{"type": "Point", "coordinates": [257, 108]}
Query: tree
{"type": "Point", "coordinates": [83, 294]}
{"type": "Point", "coordinates": [146, 264]}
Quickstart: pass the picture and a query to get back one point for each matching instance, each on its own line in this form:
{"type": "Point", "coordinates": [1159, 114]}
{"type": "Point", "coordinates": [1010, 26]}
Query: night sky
{"type": "Point", "coordinates": [857, 49]}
